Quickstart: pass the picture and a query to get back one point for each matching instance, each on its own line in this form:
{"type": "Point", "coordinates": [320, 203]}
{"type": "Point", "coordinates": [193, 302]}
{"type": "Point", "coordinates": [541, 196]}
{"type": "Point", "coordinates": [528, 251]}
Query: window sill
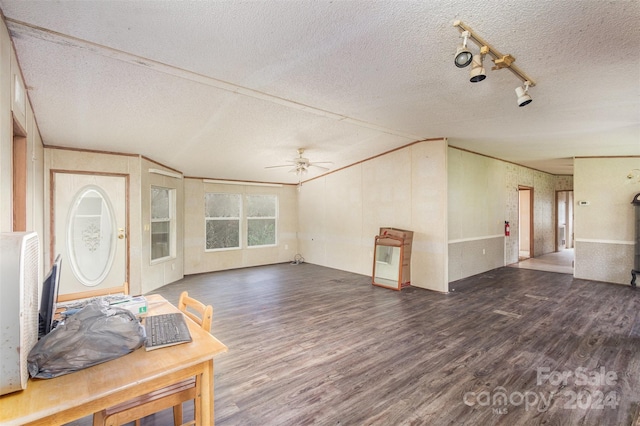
{"type": "Point", "coordinates": [162, 260]}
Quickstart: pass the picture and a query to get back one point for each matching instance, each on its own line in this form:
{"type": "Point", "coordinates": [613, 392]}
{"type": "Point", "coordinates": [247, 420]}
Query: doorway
{"type": "Point", "coordinates": [560, 261]}
{"type": "Point", "coordinates": [89, 229]}
{"type": "Point", "coordinates": [564, 220]}
{"type": "Point", "coordinates": [525, 222]}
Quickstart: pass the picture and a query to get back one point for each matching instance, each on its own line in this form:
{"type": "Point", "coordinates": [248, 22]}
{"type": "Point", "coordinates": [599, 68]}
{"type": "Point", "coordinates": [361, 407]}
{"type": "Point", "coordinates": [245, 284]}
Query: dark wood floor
{"type": "Point", "coordinates": [312, 345]}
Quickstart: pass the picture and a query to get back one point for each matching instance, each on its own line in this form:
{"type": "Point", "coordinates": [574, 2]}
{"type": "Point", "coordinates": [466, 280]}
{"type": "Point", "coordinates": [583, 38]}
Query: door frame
{"type": "Point", "coordinates": [52, 194]}
{"type": "Point", "coordinates": [531, 210]}
{"type": "Point", "coordinates": [19, 167]}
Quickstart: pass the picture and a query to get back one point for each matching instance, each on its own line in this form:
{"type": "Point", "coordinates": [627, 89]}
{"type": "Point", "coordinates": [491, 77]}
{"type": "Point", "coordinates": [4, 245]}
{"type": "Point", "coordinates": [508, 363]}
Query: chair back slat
{"type": "Point", "coordinates": [197, 311]}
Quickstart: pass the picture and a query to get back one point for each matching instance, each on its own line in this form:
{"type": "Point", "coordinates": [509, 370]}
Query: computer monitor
{"type": "Point", "coordinates": [49, 297]}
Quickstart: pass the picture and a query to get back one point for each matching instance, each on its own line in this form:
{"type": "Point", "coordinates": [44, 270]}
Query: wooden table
{"type": "Point", "coordinates": [82, 393]}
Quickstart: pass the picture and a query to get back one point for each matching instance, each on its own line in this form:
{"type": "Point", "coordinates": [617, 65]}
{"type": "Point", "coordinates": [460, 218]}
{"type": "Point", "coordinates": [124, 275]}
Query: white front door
{"type": "Point", "coordinates": [90, 217]}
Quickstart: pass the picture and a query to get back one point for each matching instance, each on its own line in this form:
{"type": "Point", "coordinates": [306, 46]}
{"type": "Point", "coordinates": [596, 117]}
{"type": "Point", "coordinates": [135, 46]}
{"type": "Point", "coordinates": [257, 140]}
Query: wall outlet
{"type": "Point", "coordinates": [483, 251]}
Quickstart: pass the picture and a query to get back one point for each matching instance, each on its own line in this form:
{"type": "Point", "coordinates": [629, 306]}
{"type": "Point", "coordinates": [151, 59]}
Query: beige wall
{"type": "Point", "coordinates": [6, 132]}
{"type": "Point", "coordinates": [155, 274]}
{"type": "Point", "coordinates": [144, 275]}
{"type": "Point", "coordinates": [341, 213]}
{"type": "Point", "coordinates": [190, 256]}
{"type": "Point", "coordinates": [197, 260]}
{"type": "Point", "coordinates": [94, 162]}
{"type": "Point", "coordinates": [477, 210]}
{"type": "Point", "coordinates": [20, 115]}
{"type": "Point", "coordinates": [483, 194]}
{"type": "Point", "coordinates": [604, 229]}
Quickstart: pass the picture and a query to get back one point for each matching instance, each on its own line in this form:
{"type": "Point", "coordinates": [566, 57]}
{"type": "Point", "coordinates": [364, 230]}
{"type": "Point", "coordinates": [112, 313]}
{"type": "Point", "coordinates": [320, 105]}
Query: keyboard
{"type": "Point", "coordinates": [165, 330]}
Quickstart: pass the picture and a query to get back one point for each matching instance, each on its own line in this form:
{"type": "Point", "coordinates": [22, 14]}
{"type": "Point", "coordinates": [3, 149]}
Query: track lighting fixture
{"type": "Point", "coordinates": [523, 94]}
{"type": "Point", "coordinates": [477, 73]}
{"type": "Point", "coordinates": [463, 54]}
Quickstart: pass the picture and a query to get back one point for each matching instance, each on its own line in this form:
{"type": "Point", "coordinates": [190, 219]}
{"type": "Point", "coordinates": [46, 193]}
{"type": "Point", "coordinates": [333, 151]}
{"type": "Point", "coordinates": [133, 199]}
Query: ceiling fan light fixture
{"type": "Point", "coordinates": [301, 165]}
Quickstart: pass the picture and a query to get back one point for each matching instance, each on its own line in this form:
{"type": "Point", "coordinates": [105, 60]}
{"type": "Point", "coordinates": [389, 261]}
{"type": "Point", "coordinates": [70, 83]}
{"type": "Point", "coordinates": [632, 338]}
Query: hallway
{"type": "Point", "coordinates": [560, 262]}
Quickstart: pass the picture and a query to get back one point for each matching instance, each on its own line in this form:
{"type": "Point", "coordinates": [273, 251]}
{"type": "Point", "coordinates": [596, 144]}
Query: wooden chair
{"type": "Point", "coordinates": [171, 396]}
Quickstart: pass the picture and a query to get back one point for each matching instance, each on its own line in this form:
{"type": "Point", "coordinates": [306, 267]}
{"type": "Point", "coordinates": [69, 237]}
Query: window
{"type": "Point", "coordinates": [162, 222]}
{"type": "Point", "coordinates": [222, 221]}
{"type": "Point", "coordinates": [261, 220]}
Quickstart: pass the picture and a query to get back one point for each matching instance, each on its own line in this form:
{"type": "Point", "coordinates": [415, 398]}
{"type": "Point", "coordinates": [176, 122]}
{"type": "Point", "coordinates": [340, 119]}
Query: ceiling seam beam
{"type": "Point", "coordinates": [19, 29]}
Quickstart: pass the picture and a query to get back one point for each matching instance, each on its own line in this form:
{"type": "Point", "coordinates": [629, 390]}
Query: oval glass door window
{"type": "Point", "coordinates": [91, 236]}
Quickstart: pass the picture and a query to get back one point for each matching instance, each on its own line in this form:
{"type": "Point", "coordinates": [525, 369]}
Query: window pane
{"type": "Point", "coordinates": [222, 205]}
{"type": "Point", "coordinates": [159, 203]}
{"type": "Point", "coordinates": [160, 232]}
{"type": "Point", "coordinates": [92, 238]}
{"type": "Point", "coordinates": [223, 234]}
{"type": "Point", "coordinates": [261, 205]}
{"type": "Point", "coordinates": [162, 223]}
{"type": "Point", "coordinates": [261, 232]}
{"type": "Point", "coordinates": [91, 204]}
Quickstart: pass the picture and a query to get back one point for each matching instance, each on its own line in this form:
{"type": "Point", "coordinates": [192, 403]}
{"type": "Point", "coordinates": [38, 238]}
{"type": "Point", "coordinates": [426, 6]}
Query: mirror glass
{"type": "Point", "coordinates": [386, 268]}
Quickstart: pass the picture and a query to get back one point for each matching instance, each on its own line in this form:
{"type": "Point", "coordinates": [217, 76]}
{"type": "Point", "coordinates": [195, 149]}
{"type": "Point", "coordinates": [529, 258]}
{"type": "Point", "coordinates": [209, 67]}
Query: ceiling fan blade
{"type": "Point", "coordinates": [277, 167]}
{"type": "Point", "coordinates": [319, 167]}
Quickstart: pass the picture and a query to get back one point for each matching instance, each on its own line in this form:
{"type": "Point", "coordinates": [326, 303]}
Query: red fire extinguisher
{"type": "Point", "coordinates": [507, 229]}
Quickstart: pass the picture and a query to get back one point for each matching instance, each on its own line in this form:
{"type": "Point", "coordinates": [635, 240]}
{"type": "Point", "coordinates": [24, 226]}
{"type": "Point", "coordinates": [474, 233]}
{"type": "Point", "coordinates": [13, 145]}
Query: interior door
{"type": "Point", "coordinates": [564, 218]}
{"type": "Point", "coordinates": [89, 230]}
{"type": "Point", "coordinates": [525, 222]}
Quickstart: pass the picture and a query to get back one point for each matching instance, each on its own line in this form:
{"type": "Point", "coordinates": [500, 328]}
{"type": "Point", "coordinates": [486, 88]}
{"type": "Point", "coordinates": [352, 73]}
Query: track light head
{"type": "Point", "coordinates": [463, 54]}
{"type": "Point", "coordinates": [523, 94]}
{"type": "Point", "coordinates": [477, 72]}
{"type": "Point", "coordinates": [463, 57]}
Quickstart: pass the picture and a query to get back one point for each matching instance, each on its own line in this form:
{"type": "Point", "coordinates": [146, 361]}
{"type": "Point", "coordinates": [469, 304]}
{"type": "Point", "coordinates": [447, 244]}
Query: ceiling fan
{"type": "Point", "coordinates": [300, 165]}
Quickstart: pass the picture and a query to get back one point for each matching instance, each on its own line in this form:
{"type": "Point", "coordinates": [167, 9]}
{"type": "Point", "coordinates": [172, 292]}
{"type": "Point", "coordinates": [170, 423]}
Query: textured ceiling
{"type": "Point", "coordinates": [222, 89]}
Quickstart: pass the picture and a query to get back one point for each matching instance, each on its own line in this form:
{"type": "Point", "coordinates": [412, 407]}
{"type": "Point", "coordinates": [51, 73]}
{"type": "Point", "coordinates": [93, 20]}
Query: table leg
{"type": "Point", "coordinates": [207, 411]}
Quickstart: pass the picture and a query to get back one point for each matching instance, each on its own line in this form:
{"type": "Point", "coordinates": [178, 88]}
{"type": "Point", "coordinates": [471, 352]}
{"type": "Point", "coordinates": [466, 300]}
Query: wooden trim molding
{"type": "Point", "coordinates": [123, 154]}
{"type": "Point", "coordinates": [375, 156]}
{"type": "Point", "coordinates": [93, 151]}
{"type": "Point", "coordinates": [19, 163]}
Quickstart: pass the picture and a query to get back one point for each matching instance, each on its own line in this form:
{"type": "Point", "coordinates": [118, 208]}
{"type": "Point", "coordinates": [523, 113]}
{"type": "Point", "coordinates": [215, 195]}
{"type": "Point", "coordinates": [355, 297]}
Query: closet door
{"type": "Point", "coordinates": [90, 218]}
